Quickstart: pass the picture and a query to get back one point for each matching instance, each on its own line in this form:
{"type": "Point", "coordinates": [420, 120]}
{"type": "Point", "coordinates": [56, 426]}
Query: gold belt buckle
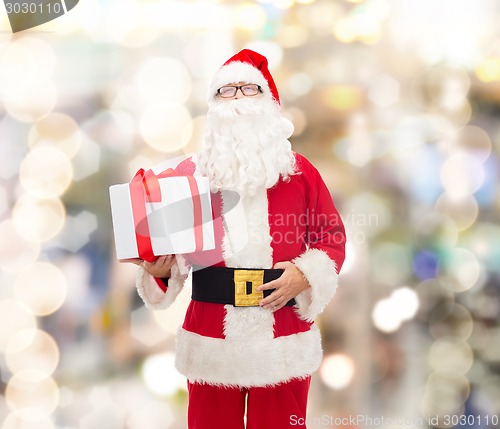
{"type": "Point", "coordinates": [245, 287]}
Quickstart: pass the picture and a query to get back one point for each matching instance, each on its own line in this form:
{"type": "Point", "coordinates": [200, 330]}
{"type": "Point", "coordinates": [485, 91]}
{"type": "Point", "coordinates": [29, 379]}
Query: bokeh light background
{"type": "Point", "coordinates": [395, 101]}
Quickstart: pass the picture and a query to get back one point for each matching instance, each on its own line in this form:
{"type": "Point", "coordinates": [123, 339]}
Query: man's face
{"type": "Point", "coordinates": [237, 90]}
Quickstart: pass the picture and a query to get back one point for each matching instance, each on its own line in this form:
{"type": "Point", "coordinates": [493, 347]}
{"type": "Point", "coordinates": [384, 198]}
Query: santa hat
{"type": "Point", "coordinates": [246, 66]}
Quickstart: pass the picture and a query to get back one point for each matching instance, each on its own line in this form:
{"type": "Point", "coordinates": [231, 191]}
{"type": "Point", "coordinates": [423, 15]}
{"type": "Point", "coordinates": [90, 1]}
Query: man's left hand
{"type": "Point", "coordinates": [287, 286]}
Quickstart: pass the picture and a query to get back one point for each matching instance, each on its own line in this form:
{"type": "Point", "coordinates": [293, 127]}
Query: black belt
{"type": "Point", "coordinates": [235, 286]}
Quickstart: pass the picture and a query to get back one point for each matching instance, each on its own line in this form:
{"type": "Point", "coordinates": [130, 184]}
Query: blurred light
{"type": "Point", "coordinates": [15, 421]}
{"type": "Point", "coordinates": [490, 351]}
{"type": "Point", "coordinates": [127, 23]}
{"type": "Point", "coordinates": [344, 30]}
{"type": "Point", "coordinates": [388, 314]}
{"type": "Point", "coordinates": [45, 172]}
{"type": "Point", "coordinates": [444, 40]}
{"type": "Point", "coordinates": [487, 395]}
{"type": "Point", "coordinates": [113, 129]}
{"type": "Point", "coordinates": [145, 329]}
{"type": "Point", "coordinates": [77, 230]}
{"type": "Point", "coordinates": [462, 210]}
{"type": "Point", "coordinates": [30, 103]}
{"type": "Point", "coordinates": [439, 401]}
{"type": "Point", "coordinates": [343, 97]}
{"type": "Point", "coordinates": [56, 130]}
{"type": "Point", "coordinates": [26, 63]}
{"type": "Point", "coordinates": [166, 126]}
{"type": "Point", "coordinates": [105, 412]}
{"type": "Point", "coordinates": [16, 253]}
{"type": "Point", "coordinates": [32, 395]}
{"type": "Point", "coordinates": [181, 15]}
{"type": "Point", "coordinates": [385, 316]}
{"type": "Point", "coordinates": [160, 375]}
{"type": "Point", "coordinates": [32, 349]}
{"type": "Point", "coordinates": [299, 84]}
{"type": "Point", "coordinates": [383, 90]}
{"type": "Point", "coordinates": [451, 355]}
{"type": "Point", "coordinates": [363, 23]}
{"type": "Point", "coordinates": [126, 98]}
{"type": "Point", "coordinates": [448, 86]}
{"type": "Point", "coordinates": [435, 231]}
{"type": "Point", "coordinates": [163, 79]}
{"type": "Point", "coordinates": [425, 265]}
{"type": "Point", "coordinates": [406, 301]}
{"type": "Point", "coordinates": [449, 381]}
{"type": "Point", "coordinates": [12, 152]}
{"type": "Point", "coordinates": [38, 220]}
{"type": "Point", "coordinates": [360, 144]}
{"type": "Point", "coordinates": [66, 397]}
{"type": "Point", "coordinates": [430, 294]}
{"type": "Point", "coordinates": [350, 257]}
{"type": "Point", "coordinates": [292, 35]}
{"type": "Point", "coordinates": [14, 317]}
{"type": "Point", "coordinates": [4, 203]}
{"type": "Point", "coordinates": [140, 161]}
{"type": "Point", "coordinates": [488, 70]}
{"type": "Point", "coordinates": [86, 161]}
{"type": "Point", "coordinates": [451, 320]}
{"type": "Point", "coordinates": [337, 371]}
{"type": "Point", "coordinates": [18, 67]}
{"type": "Point", "coordinates": [474, 141]}
{"type": "Point", "coordinates": [282, 4]}
{"type": "Point", "coordinates": [461, 174]}
{"type": "Point", "coordinates": [484, 241]}
{"type": "Point", "coordinates": [462, 268]}
{"type": "Point", "coordinates": [446, 121]}
{"type": "Point", "coordinates": [366, 214]}
{"type": "Point", "coordinates": [45, 295]}
{"type": "Point", "coordinates": [391, 263]}
{"type": "Point", "coordinates": [158, 414]}
{"type": "Point", "coordinates": [249, 16]}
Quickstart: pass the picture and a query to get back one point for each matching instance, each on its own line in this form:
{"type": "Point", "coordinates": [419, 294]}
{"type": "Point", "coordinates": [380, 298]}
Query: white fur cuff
{"type": "Point", "coordinates": [321, 273]}
{"type": "Point", "coordinates": [153, 296]}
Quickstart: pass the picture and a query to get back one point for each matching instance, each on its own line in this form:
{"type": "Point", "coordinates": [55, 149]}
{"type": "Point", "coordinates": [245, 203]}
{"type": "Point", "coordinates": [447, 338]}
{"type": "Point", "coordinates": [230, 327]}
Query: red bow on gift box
{"type": "Point", "coordinates": [145, 187]}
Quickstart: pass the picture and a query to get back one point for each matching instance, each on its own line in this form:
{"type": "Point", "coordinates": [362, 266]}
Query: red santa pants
{"type": "Point", "coordinates": [278, 407]}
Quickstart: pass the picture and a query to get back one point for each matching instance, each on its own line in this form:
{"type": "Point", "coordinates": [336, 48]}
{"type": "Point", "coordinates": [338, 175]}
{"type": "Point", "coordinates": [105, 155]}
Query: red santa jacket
{"type": "Point", "coordinates": [295, 220]}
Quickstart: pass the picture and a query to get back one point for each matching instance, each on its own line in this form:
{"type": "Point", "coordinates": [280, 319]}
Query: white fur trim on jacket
{"type": "Point", "coordinates": [247, 238]}
{"type": "Point", "coordinates": [153, 296]}
{"type": "Point", "coordinates": [236, 362]}
{"type": "Point", "coordinates": [321, 273]}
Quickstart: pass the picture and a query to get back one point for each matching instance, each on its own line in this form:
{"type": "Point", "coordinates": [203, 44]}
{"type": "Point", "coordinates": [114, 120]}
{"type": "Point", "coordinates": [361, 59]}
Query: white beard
{"type": "Point", "coordinates": [246, 146]}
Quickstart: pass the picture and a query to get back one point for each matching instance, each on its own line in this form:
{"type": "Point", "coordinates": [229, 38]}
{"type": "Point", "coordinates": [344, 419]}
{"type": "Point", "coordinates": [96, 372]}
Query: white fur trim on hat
{"type": "Point", "coordinates": [238, 71]}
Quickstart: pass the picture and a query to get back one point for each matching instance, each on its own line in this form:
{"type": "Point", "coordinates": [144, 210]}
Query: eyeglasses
{"type": "Point", "coordinates": [247, 90]}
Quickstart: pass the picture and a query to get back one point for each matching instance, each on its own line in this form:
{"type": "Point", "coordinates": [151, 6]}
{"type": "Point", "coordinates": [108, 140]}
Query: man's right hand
{"type": "Point", "coordinates": [159, 268]}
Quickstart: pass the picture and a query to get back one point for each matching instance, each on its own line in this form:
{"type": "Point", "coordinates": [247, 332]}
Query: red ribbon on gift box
{"type": "Point", "coordinates": [145, 187]}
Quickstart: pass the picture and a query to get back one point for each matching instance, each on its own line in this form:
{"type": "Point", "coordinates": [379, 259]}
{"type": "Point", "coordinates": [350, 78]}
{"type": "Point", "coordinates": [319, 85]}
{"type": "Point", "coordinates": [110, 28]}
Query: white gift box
{"type": "Point", "coordinates": [168, 223]}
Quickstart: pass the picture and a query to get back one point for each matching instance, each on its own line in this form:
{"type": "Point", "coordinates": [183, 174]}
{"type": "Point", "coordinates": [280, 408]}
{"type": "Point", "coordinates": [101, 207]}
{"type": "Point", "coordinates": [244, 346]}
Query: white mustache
{"type": "Point", "coordinates": [230, 109]}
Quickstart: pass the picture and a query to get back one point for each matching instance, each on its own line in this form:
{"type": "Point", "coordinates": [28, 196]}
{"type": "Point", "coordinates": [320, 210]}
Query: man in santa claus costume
{"type": "Point", "coordinates": [248, 344]}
